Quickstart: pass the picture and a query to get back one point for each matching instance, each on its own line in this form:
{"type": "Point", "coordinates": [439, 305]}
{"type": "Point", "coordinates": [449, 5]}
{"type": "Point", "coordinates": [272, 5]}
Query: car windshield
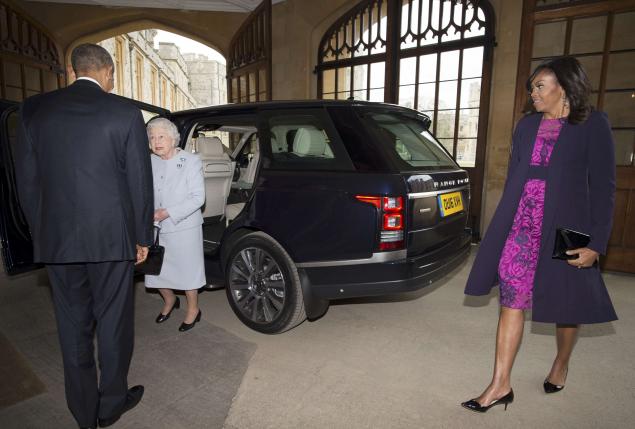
{"type": "Point", "coordinates": [409, 139]}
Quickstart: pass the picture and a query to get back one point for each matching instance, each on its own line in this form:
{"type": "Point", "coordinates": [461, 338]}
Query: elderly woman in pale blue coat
{"type": "Point", "coordinates": [179, 194]}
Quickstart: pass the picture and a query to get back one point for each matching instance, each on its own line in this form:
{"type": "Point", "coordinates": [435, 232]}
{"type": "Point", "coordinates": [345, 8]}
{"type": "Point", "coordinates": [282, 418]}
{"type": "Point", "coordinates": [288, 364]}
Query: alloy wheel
{"type": "Point", "coordinates": [257, 285]}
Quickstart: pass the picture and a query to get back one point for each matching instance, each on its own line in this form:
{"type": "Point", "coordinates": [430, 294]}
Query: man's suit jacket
{"type": "Point", "coordinates": [83, 174]}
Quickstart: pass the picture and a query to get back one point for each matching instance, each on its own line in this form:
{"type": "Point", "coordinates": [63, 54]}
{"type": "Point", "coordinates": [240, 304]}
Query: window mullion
{"type": "Point", "coordinates": [567, 37]}
{"type": "Point", "coordinates": [605, 60]}
{"type": "Point", "coordinates": [391, 82]}
{"type": "Point", "coordinates": [458, 104]}
{"type": "Point", "coordinates": [436, 94]}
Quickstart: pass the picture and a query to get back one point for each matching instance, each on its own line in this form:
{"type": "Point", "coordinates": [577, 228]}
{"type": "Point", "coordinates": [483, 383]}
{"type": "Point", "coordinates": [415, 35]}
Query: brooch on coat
{"type": "Point", "coordinates": [180, 164]}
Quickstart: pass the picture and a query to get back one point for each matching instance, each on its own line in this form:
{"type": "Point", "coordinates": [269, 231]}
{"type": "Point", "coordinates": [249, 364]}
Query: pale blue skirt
{"type": "Point", "coordinates": [183, 265]}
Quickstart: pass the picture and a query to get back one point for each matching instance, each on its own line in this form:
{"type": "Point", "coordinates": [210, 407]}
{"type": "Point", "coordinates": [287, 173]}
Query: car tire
{"type": "Point", "coordinates": [263, 286]}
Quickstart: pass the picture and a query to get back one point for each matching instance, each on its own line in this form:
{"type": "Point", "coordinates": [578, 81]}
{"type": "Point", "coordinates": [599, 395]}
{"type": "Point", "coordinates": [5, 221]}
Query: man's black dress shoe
{"type": "Point", "coordinates": [187, 326]}
{"type": "Point", "coordinates": [132, 399]}
{"type": "Point", "coordinates": [163, 317]}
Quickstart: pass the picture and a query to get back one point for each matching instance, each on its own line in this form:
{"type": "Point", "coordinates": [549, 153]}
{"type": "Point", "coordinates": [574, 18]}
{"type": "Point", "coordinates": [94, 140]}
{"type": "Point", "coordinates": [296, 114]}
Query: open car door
{"type": "Point", "coordinates": [17, 248]}
{"type": "Point", "coordinates": [15, 237]}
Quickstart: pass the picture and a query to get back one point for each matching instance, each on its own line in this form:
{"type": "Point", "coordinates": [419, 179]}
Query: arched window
{"type": "Point", "coordinates": [430, 55]}
{"type": "Point", "coordinates": [29, 58]}
{"type": "Point", "coordinates": [249, 62]}
{"type": "Point", "coordinates": [352, 57]}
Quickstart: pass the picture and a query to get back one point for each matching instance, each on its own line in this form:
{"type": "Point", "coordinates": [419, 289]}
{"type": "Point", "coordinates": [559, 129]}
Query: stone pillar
{"type": "Point", "coordinates": [503, 88]}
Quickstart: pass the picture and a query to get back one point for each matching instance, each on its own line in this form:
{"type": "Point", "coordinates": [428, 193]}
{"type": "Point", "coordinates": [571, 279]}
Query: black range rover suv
{"type": "Point", "coordinates": [317, 201]}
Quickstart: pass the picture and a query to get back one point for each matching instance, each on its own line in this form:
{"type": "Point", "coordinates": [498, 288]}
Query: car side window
{"type": "Point", "coordinates": [303, 141]}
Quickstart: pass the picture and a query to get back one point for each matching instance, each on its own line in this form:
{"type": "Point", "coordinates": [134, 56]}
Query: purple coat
{"type": "Point", "coordinates": [579, 194]}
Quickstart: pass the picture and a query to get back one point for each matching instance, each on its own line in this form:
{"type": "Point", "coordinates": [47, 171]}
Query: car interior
{"type": "Point", "coordinates": [230, 155]}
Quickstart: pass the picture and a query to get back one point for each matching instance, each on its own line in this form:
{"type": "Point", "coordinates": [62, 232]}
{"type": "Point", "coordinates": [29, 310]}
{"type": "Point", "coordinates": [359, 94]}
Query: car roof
{"type": "Point", "coordinates": [282, 104]}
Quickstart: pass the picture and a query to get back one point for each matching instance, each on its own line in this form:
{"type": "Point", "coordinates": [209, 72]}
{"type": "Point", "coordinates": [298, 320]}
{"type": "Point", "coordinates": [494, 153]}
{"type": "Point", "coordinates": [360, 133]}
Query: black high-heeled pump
{"type": "Point", "coordinates": [553, 388]}
{"type": "Point", "coordinates": [187, 326]}
{"type": "Point", "coordinates": [473, 404]}
{"type": "Point", "coordinates": [163, 317]}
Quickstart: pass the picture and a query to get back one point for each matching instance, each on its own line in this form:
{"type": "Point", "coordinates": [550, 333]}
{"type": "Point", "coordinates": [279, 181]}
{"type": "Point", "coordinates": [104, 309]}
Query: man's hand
{"type": "Point", "coordinates": [161, 214]}
{"type": "Point", "coordinates": [142, 254]}
{"type": "Point", "coordinates": [586, 257]}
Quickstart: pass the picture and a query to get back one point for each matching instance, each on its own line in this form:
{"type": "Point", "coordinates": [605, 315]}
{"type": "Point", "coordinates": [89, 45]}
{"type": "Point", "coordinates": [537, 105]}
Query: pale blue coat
{"type": "Point", "coordinates": [179, 187]}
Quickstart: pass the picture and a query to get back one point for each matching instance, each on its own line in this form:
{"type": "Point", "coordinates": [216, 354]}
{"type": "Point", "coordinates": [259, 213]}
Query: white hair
{"type": "Point", "coordinates": [167, 125]}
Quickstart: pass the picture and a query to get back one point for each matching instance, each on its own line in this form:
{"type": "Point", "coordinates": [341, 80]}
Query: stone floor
{"type": "Point", "coordinates": [398, 362]}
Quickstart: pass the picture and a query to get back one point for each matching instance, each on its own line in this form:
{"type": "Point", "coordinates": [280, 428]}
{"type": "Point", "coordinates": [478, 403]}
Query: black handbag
{"type": "Point", "coordinates": [153, 263]}
{"type": "Point", "coordinates": [568, 239]}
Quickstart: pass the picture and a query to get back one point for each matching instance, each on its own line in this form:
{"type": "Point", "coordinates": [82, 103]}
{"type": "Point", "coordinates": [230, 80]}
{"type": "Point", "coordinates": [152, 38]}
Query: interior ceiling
{"type": "Point", "coordinates": [206, 5]}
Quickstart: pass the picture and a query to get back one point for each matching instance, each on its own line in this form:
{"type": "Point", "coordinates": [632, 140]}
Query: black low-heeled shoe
{"type": "Point", "coordinates": [473, 404]}
{"type": "Point", "coordinates": [550, 387]}
{"type": "Point", "coordinates": [163, 317]}
{"type": "Point", "coordinates": [187, 326]}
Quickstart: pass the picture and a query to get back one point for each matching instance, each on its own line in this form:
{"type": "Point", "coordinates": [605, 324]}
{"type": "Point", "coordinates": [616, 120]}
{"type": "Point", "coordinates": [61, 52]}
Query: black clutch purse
{"type": "Point", "coordinates": [568, 239]}
{"type": "Point", "coordinates": [153, 263]}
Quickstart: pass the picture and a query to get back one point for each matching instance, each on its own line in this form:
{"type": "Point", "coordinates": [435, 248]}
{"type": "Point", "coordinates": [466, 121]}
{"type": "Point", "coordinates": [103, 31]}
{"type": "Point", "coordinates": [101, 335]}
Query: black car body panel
{"type": "Point", "coordinates": [316, 216]}
{"type": "Point", "coordinates": [404, 275]}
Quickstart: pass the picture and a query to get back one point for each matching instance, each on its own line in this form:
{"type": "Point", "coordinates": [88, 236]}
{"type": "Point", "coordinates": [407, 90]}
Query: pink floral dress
{"type": "Point", "coordinates": [519, 258]}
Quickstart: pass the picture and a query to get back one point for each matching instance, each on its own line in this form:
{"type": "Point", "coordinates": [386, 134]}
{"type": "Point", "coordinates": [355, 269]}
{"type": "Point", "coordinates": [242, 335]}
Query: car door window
{"type": "Point", "coordinates": [408, 141]}
{"type": "Point", "coordinates": [303, 141]}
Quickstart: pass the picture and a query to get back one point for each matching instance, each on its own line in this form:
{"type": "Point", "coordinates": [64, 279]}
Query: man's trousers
{"type": "Point", "coordinates": [94, 299]}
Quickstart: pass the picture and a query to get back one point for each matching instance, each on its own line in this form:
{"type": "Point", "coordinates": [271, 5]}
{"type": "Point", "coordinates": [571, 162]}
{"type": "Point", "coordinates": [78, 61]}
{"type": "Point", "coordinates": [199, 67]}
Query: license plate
{"type": "Point", "coordinates": [450, 203]}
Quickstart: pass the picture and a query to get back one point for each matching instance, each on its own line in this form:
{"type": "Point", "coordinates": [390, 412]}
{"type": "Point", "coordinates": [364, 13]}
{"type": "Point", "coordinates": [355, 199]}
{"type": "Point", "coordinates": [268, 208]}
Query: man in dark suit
{"type": "Point", "coordinates": [85, 184]}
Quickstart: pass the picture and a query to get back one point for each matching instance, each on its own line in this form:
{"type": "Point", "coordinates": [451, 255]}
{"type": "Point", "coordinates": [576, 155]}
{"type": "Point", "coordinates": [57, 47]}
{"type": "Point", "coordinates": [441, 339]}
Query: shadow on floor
{"type": "Point", "coordinates": [190, 378]}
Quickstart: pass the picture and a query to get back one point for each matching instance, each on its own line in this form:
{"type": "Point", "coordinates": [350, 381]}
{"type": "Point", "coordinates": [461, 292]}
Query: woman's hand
{"type": "Point", "coordinates": [586, 257]}
{"type": "Point", "coordinates": [161, 214]}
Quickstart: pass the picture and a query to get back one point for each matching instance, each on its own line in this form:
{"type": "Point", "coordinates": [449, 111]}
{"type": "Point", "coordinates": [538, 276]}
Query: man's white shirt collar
{"type": "Point", "coordinates": [90, 79]}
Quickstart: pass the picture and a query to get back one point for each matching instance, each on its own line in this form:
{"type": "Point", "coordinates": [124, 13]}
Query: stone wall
{"type": "Point", "coordinates": [171, 55]}
{"type": "Point", "coordinates": [208, 81]}
{"type": "Point", "coordinates": [502, 95]}
{"type": "Point", "coordinates": [172, 69]}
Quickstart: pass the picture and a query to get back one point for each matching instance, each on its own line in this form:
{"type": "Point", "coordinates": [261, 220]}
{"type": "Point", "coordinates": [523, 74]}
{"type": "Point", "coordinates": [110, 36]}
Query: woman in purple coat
{"type": "Point", "coordinates": [561, 175]}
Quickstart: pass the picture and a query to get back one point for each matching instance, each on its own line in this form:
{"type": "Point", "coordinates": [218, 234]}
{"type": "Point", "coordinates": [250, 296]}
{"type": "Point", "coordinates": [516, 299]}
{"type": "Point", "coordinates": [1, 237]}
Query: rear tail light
{"type": "Point", "coordinates": [393, 204]}
{"type": "Point", "coordinates": [393, 221]}
{"type": "Point", "coordinates": [391, 236]}
{"type": "Point", "coordinates": [376, 201]}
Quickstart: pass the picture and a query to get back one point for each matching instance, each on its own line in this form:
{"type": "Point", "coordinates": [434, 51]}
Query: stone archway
{"type": "Point", "coordinates": [138, 25]}
{"type": "Point", "coordinates": [71, 24]}
{"type": "Point", "coordinates": [158, 75]}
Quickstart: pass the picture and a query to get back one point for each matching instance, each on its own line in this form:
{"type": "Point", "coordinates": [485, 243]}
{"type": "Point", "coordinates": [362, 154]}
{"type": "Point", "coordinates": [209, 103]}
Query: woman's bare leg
{"type": "Point", "coordinates": [168, 300]}
{"type": "Point", "coordinates": [192, 305]}
{"type": "Point", "coordinates": [566, 337]}
{"type": "Point", "coordinates": [511, 322]}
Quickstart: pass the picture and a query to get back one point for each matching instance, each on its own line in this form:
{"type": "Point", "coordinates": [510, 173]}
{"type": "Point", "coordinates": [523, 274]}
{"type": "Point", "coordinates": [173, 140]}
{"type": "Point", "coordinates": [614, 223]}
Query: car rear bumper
{"type": "Point", "coordinates": [372, 279]}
